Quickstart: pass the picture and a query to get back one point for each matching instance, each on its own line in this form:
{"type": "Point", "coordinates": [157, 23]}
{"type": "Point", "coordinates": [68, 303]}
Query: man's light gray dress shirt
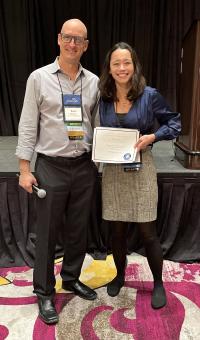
{"type": "Point", "coordinates": [41, 126]}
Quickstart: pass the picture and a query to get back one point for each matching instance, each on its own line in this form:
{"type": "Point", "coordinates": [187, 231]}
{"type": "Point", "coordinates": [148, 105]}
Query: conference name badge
{"type": "Point", "coordinates": [73, 118]}
{"type": "Point", "coordinates": [72, 108]}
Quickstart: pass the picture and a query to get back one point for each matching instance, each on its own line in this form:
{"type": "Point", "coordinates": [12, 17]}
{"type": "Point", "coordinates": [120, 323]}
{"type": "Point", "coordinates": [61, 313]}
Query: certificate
{"type": "Point", "coordinates": [114, 145]}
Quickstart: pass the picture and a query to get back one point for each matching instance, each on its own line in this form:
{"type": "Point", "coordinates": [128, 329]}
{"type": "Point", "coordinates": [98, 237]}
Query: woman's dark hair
{"type": "Point", "coordinates": [107, 84]}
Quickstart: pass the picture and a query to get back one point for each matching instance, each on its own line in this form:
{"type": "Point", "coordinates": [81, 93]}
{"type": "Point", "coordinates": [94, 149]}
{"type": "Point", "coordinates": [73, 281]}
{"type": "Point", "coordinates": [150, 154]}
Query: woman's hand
{"type": "Point", "coordinates": [144, 141]}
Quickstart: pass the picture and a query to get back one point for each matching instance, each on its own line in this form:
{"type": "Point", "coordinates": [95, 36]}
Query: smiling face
{"type": "Point", "coordinates": [121, 66]}
{"type": "Point", "coordinates": [71, 52]}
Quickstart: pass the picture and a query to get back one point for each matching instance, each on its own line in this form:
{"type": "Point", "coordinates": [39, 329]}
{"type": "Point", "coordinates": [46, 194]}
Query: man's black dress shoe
{"type": "Point", "coordinates": [78, 288]}
{"type": "Point", "coordinates": [47, 311]}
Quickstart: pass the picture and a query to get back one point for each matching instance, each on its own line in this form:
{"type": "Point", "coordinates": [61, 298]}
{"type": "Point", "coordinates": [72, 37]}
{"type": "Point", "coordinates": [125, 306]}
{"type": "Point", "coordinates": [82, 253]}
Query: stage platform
{"type": "Point", "coordinates": [163, 152]}
{"type": "Point", "coordinates": [178, 221]}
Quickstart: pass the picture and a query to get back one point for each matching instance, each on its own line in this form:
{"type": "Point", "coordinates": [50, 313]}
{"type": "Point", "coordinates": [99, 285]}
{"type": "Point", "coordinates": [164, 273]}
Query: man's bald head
{"type": "Point", "coordinates": [75, 24]}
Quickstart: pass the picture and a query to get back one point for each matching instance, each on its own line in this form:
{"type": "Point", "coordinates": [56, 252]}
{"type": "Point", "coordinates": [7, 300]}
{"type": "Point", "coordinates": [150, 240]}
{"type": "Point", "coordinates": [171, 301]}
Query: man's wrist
{"type": "Point", "coordinates": [24, 171]}
{"type": "Point", "coordinates": [24, 167]}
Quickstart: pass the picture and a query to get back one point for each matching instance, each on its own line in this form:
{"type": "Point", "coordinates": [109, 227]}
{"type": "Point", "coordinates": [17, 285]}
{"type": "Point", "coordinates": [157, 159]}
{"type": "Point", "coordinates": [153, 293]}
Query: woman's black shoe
{"type": "Point", "coordinates": [113, 287]}
{"type": "Point", "coordinates": [158, 299]}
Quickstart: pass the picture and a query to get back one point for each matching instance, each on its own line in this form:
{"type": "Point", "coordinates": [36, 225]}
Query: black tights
{"type": "Point", "coordinates": [152, 248]}
{"type": "Point", "coordinates": [150, 241]}
{"type": "Point", "coordinates": [119, 245]}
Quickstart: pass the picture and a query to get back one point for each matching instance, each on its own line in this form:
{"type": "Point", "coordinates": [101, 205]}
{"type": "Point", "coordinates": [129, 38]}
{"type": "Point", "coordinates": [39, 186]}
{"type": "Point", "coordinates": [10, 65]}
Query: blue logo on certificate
{"type": "Point", "coordinates": [127, 156]}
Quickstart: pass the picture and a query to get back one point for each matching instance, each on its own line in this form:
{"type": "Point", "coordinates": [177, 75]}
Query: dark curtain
{"type": "Point", "coordinates": [178, 223]}
{"type": "Point", "coordinates": [28, 40]}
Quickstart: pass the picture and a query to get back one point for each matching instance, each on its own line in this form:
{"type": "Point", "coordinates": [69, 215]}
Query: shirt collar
{"type": "Point", "coordinates": [55, 67]}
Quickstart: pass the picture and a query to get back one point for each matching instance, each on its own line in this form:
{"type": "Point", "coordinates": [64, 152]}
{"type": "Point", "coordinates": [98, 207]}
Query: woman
{"type": "Point", "coordinates": [131, 196]}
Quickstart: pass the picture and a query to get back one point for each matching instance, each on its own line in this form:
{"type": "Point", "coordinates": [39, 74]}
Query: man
{"type": "Point", "coordinates": [60, 106]}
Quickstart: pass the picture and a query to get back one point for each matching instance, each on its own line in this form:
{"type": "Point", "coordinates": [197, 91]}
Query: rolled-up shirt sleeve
{"type": "Point", "coordinates": [28, 125]}
{"type": "Point", "coordinates": [169, 121]}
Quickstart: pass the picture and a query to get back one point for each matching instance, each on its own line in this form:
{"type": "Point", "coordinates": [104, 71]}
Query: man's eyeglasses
{"type": "Point", "coordinates": [68, 38]}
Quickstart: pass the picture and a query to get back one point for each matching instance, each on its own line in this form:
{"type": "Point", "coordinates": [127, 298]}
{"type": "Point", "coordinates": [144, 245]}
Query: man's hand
{"type": "Point", "coordinates": [26, 180]}
{"type": "Point", "coordinates": [144, 141]}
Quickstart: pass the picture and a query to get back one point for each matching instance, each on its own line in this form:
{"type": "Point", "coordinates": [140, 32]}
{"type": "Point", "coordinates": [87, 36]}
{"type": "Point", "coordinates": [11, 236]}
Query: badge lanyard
{"type": "Point", "coordinates": [72, 114]}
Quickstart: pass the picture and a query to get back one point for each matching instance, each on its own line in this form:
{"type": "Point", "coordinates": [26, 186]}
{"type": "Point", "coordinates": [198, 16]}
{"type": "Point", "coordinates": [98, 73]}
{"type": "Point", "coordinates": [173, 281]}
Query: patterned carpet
{"type": "Point", "coordinates": [128, 316]}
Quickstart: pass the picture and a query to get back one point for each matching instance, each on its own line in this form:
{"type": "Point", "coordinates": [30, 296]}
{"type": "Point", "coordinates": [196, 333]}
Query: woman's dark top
{"type": "Point", "coordinates": [145, 111]}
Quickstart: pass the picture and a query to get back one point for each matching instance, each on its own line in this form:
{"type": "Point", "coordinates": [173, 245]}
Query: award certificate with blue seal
{"type": "Point", "coordinates": [114, 145]}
